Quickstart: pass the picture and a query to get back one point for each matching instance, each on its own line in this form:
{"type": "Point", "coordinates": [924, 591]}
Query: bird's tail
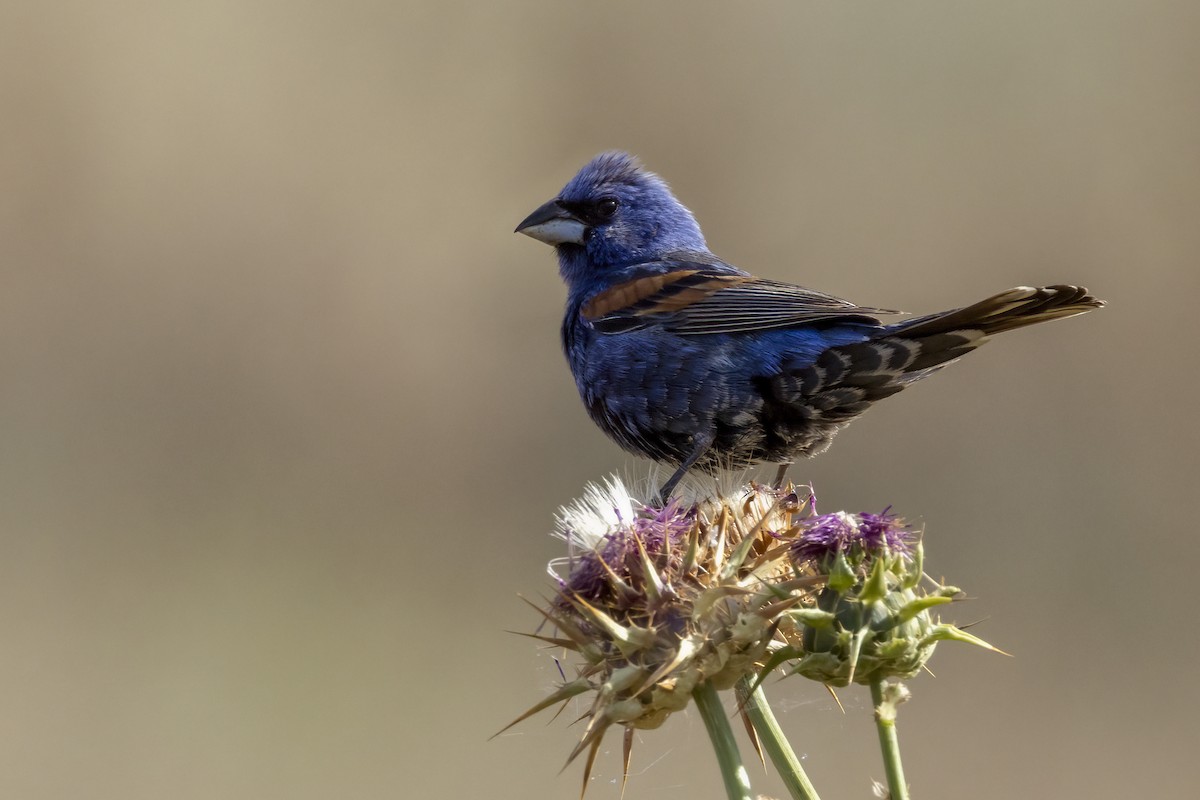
{"type": "Point", "coordinates": [1006, 311]}
{"type": "Point", "coordinates": [846, 379]}
{"type": "Point", "coordinates": [941, 338]}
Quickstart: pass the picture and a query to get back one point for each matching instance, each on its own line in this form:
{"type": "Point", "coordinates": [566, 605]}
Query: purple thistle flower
{"type": "Point", "coordinates": [856, 536]}
{"type": "Point", "coordinates": [657, 527]}
{"type": "Point", "coordinates": [661, 531]}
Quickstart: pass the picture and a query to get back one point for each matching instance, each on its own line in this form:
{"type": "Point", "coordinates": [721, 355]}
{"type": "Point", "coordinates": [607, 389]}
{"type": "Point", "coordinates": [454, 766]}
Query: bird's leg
{"type": "Point", "coordinates": [665, 492]}
{"type": "Point", "coordinates": [700, 445]}
{"type": "Point", "coordinates": [781, 473]}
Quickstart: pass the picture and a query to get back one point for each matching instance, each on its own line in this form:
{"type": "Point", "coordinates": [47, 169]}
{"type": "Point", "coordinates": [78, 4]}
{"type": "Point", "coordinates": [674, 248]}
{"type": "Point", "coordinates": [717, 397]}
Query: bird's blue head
{"type": "Point", "coordinates": [612, 214]}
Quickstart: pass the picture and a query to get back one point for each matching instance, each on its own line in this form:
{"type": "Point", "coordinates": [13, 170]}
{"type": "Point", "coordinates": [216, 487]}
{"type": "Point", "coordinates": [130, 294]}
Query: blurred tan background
{"type": "Point", "coordinates": [285, 420]}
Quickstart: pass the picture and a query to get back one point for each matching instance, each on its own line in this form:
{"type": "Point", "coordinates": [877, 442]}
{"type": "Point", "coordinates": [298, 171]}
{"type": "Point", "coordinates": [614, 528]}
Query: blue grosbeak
{"type": "Point", "coordinates": [693, 362]}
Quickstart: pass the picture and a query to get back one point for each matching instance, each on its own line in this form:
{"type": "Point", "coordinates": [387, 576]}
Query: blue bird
{"type": "Point", "coordinates": [692, 362]}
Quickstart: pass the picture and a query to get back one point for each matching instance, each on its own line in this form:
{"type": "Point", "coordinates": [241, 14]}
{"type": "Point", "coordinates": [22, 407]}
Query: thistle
{"type": "Point", "coordinates": [666, 605]}
{"type": "Point", "coordinates": [872, 616]}
{"type": "Point", "coordinates": [872, 622]}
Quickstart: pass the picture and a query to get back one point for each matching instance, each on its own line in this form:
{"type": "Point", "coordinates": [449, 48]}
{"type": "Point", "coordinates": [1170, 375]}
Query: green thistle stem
{"type": "Point", "coordinates": [737, 782]}
{"type": "Point", "coordinates": [775, 743]}
{"type": "Point", "coordinates": [889, 743]}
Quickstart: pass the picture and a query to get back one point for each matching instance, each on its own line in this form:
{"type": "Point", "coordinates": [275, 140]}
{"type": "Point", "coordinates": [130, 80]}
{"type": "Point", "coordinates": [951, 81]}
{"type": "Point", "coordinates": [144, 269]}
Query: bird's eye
{"type": "Point", "coordinates": [607, 206]}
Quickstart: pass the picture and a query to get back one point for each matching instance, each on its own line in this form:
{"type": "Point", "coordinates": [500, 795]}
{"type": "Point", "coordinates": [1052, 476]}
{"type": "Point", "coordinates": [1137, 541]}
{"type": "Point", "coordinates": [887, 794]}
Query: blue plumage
{"type": "Point", "coordinates": [690, 361]}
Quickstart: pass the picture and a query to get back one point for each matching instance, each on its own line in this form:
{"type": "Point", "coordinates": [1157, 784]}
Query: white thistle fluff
{"type": "Point", "coordinates": [584, 522]}
{"type": "Point", "coordinates": [606, 505]}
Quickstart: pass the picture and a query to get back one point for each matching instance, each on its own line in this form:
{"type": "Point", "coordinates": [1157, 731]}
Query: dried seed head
{"type": "Point", "coordinates": [658, 600]}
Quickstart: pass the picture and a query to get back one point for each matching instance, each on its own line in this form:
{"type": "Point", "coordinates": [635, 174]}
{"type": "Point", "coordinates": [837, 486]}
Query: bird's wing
{"type": "Point", "coordinates": [697, 299]}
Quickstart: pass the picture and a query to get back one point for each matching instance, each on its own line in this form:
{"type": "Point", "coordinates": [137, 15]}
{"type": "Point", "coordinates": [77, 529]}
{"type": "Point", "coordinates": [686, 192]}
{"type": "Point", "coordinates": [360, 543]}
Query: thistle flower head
{"type": "Point", "coordinates": [872, 617]}
{"type": "Point", "coordinates": [634, 530]}
{"type": "Point", "coordinates": [658, 600]}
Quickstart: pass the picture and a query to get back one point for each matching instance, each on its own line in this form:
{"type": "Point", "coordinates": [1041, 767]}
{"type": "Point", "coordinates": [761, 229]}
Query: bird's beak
{"type": "Point", "coordinates": [553, 224]}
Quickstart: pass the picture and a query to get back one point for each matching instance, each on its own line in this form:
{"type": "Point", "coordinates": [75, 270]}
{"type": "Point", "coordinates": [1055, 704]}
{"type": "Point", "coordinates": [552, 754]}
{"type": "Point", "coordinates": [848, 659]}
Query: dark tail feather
{"type": "Point", "coordinates": [941, 338]}
{"type": "Point", "coordinates": [1006, 311]}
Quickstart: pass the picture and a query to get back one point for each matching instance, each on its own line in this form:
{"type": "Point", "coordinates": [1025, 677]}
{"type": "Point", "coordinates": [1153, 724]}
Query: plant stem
{"type": "Point", "coordinates": [737, 783]}
{"type": "Point", "coordinates": [774, 742]}
{"type": "Point", "coordinates": [889, 743]}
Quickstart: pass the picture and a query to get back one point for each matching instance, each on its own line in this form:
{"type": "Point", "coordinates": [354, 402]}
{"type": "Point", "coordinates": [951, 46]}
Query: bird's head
{"type": "Point", "coordinates": [612, 214]}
